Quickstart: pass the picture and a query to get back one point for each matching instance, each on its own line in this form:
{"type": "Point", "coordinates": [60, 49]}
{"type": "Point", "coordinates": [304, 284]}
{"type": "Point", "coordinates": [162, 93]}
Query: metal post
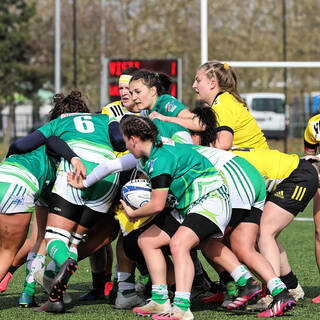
{"type": "Point", "coordinates": [179, 93]}
{"type": "Point", "coordinates": [74, 7]}
{"type": "Point", "coordinates": [285, 84]}
{"type": "Point", "coordinates": [57, 49]}
{"type": "Point", "coordinates": [103, 95]}
{"type": "Point", "coordinates": [204, 31]}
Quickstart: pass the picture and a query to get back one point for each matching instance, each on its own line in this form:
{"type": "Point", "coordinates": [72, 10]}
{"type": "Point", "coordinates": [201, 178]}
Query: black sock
{"type": "Point", "coordinates": [12, 269]}
{"type": "Point", "coordinates": [98, 280]}
{"type": "Point", "coordinates": [290, 280]}
{"type": "Point", "coordinates": [108, 277]}
{"type": "Point", "coordinates": [225, 277]}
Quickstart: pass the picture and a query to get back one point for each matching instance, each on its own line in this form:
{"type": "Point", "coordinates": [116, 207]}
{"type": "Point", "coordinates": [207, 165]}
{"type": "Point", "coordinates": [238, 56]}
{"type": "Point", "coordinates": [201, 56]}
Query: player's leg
{"type": "Point", "coordinates": [36, 257]}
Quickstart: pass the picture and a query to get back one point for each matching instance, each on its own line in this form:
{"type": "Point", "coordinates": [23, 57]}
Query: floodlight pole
{"type": "Point", "coordinates": [204, 31]}
{"type": "Point", "coordinates": [285, 80]}
{"type": "Point", "coordinates": [74, 7]}
{"type": "Point", "coordinates": [57, 49]}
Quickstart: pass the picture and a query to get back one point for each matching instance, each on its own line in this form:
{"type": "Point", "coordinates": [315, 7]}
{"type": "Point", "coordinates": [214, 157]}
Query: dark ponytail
{"type": "Point", "coordinates": [161, 81]}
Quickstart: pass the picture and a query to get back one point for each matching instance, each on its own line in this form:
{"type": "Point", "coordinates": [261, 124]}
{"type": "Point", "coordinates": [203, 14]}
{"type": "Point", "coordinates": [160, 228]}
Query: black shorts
{"type": "Point", "coordinates": [295, 192]}
{"type": "Point", "coordinates": [200, 225]}
{"type": "Point", "coordinates": [243, 215]}
{"type": "Point", "coordinates": [130, 241]}
{"type": "Point", "coordinates": [81, 215]}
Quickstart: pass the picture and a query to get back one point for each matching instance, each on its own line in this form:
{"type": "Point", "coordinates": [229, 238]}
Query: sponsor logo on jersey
{"type": "Point", "coordinates": [298, 193]}
{"type": "Point", "coordinates": [17, 199]}
{"type": "Point", "coordinates": [279, 194]}
{"type": "Point", "coordinates": [57, 209]}
{"type": "Point", "coordinates": [170, 106]}
{"type": "Point", "coordinates": [150, 165]}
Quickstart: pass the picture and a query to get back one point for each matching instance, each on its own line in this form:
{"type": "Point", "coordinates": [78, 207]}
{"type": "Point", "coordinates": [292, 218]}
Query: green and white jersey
{"type": "Point", "coordinates": [167, 105]}
{"type": "Point", "coordinates": [173, 131]}
{"type": "Point", "coordinates": [23, 178]}
{"type": "Point", "coordinates": [193, 176]}
{"type": "Point", "coordinates": [88, 136]}
{"type": "Point", "coordinates": [246, 185]}
{"type": "Point", "coordinates": [36, 168]}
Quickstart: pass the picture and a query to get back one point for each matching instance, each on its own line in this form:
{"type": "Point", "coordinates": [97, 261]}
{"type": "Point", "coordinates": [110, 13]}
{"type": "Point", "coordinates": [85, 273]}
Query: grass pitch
{"type": "Point", "coordinates": [298, 239]}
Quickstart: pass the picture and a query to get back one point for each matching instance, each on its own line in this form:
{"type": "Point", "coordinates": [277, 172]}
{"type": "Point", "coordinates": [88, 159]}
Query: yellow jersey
{"type": "Point", "coordinates": [312, 134]}
{"type": "Point", "coordinates": [117, 110]}
{"type": "Point", "coordinates": [236, 118]}
{"type": "Point", "coordinates": [273, 165]}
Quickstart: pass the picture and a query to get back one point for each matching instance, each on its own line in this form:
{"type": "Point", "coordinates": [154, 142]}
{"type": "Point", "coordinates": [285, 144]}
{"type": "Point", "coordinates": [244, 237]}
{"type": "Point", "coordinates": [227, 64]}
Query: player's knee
{"type": "Point", "coordinates": [57, 233]}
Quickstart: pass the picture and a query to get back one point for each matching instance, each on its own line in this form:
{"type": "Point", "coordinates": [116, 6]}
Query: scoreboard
{"type": "Point", "coordinates": [112, 68]}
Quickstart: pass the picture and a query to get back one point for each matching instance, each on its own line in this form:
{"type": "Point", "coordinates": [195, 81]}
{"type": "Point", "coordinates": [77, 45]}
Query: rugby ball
{"type": "Point", "coordinates": [136, 193]}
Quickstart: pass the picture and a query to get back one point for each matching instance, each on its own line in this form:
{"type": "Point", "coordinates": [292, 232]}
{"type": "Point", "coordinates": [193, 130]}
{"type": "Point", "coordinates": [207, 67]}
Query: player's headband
{"type": "Point", "coordinates": [125, 78]}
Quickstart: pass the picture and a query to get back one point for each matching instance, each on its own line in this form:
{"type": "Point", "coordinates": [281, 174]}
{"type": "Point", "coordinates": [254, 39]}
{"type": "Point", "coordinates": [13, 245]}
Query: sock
{"type": "Point", "coordinates": [108, 277]}
{"type": "Point", "coordinates": [240, 275]}
{"type": "Point", "coordinates": [114, 289]}
{"type": "Point", "coordinates": [224, 278]}
{"type": "Point", "coordinates": [199, 278]}
{"type": "Point", "coordinates": [51, 269]}
{"type": "Point", "coordinates": [34, 263]}
{"type": "Point", "coordinates": [290, 280]}
{"type": "Point", "coordinates": [275, 286]}
{"type": "Point", "coordinates": [182, 300]}
{"type": "Point", "coordinates": [58, 251]}
{"type": "Point", "coordinates": [12, 269]}
{"type": "Point", "coordinates": [159, 293]}
{"type": "Point", "coordinates": [73, 251]}
{"type": "Point", "coordinates": [98, 281]}
{"type": "Point", "coordinates": [126, 283]}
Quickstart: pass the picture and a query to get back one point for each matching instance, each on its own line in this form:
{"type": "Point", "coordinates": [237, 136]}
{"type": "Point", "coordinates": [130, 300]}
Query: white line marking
{"type": "Point", "coordinates": [303, 219]}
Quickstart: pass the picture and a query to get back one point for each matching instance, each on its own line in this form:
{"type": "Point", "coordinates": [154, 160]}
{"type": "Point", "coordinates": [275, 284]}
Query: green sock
{"type": "Point", "coordinates": [182, 303]}
{"type": "Point", "coordinates": [58, 251]}
{"type": "Point", "coordinates": [160, 293]}
{"type": "Point", "coordinates": [34, 263]}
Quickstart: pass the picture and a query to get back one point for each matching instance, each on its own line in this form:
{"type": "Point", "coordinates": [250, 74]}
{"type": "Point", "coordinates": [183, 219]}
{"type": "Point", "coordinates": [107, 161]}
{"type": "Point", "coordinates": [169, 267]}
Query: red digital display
{"type": "Point", "coordinates": [116, 66]}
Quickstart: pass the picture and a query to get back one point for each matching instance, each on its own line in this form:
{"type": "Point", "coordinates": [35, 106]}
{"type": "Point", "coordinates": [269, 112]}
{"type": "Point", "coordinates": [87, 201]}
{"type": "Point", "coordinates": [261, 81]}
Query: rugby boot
{"type": "Point", "coordinates": [247, 294]}
{"type": "Point", "coordinates": [175, 313]}
{"type": "Point", "coordinates": [152, 307]}
{"type": "Point", "coordinates": [282, 302]}
{"type": "Point", "coordinates": [27, 301]}
{"type": "Point", "coordinates": [5, 281]}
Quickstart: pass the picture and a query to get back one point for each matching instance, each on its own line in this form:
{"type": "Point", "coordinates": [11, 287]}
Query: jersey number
{"type": "Point", "coordinates": [84, 124]}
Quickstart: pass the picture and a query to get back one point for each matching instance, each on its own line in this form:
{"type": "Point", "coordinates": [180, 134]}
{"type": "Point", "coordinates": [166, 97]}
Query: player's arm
{"type": "Point", "coordinates": [103, 170]}
{"type": "Point", "coordinates": [59, 147]}
{"type": "Point", "coordinates": [160, 187]}
{"type": "Point", "coordinates": [116, 137]}
{"type": "Point", "coordinates": [185, 119]}
{"type": "Point", "coordinates": [27, 144]}
{"type": "Point", "coordinates": [224, 139]}
{"type": "Point", "coordinates": [316, 215]}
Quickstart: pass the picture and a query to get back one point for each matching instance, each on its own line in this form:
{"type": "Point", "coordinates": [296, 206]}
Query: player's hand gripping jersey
{"type": "Point", "coordinates": [88, 136]}
{"type": "Point", "coordinates": [235, 118]}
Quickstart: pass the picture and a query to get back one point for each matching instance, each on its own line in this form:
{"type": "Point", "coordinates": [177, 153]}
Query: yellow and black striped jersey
{"type": "Point", "coordinates": [273, 165]}
{"type": "Point", "coordinates": [234, 117]}
{"type": "Point", "coordinates": [115, 110]}
{"type": "Point", "coordinates": [312, 134]}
